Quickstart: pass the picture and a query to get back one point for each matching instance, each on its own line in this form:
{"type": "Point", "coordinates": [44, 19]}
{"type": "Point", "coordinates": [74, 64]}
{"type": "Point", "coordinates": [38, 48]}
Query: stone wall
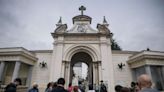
{"type": "Point", "coordinates": [121, 77]}
{"type": "Point", "coordinates": [41, 75]}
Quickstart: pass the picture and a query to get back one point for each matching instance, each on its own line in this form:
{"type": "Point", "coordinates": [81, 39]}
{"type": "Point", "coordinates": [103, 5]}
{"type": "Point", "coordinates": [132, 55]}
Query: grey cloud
{"type": "Point", "coordinates": [136, 24]}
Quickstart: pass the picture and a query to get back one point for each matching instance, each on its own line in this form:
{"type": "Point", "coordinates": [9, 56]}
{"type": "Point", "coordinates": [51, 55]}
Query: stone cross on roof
{"type": "Point", "coordinates": [82, 8]}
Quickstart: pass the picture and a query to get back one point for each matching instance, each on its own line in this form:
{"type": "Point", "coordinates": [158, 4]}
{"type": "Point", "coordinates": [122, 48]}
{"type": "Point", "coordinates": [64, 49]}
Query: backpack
{"type": "Point", "coordinates": [103, 88]}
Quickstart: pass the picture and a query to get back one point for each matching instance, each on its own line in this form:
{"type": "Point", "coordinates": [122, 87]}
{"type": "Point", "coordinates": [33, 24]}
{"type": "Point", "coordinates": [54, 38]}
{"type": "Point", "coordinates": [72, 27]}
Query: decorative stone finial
{"type": "Point", "coordinates": [59, 22]}
{"type": "Point", "coordinates": [105, 22]}
{"type": "Point", "coordinates": [82, 8]}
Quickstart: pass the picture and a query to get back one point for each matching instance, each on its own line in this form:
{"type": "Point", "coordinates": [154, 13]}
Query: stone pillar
{"type": "Point", "coordinates": [90, 69]}
{"type": "Point", "coordinates": [63, 69]}
{"type": "Point", "coordinates": [148, 71]}
{"type": "Point", "coordinates": [16, 70]}
{"type": "Point", "coordinates": [29, 77]}
{"type": "Point", "coordinates": [99, 71]}
{"type": "Point", "coordinates": [57, 59]}
{"type": "Point", "coordinates": [67, 73]}
{"type": "Point", "coordinates": [163, 71]}
{"type": "Point", "coordinates": [162, 75]}
{"type": "Point", "coordinates": [133, 74]}
{"type": "Point", "coordinates": [96, 75]}
{"type": "Point", "coordinates": [107, 64]}
{"type": "Point", "coordinates": [2, 66]}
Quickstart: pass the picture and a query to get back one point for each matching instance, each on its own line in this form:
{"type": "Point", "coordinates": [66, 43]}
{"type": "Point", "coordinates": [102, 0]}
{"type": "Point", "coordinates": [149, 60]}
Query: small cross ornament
{"type": "Point", "coordinates": [82, 8]}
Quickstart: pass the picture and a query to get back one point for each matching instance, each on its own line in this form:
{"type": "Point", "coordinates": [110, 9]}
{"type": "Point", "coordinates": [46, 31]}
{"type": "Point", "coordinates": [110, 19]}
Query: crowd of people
{"type": "Point", "coordinates": [143, 84]}
{"type": "Point", "coordinates": [59, 87]}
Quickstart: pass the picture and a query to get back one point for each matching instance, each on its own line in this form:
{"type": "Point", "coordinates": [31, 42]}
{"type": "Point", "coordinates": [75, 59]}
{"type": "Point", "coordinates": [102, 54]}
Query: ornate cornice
{"type": "Point", "coordinates": [82, 18]}
{"type": "Point", "coordinates": [41, 51]}
{"type": "Point", "coordinates": [146, 58]}
{"type": "Point", "coordinates": [124, 52]}
{"type": "Point", "coordinates": [17, 54]}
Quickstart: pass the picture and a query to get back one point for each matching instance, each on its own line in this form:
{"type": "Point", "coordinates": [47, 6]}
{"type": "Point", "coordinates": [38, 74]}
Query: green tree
{"type": "Point", "coordinates": [115, 45]}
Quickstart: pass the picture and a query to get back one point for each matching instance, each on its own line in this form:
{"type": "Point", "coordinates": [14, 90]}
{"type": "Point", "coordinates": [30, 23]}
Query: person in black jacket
{"type": "Point", "coordinates": [102, 87]}
{"type": "Point", "coordinates": [13, 86]}
{"type": "Point", "coordinates": [60, 87]}
{"type": "Point", "coordinates": [10, 88]}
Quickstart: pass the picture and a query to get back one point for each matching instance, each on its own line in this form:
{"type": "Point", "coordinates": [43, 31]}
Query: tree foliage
{"type": "Point", "coordinates": [115, 45]}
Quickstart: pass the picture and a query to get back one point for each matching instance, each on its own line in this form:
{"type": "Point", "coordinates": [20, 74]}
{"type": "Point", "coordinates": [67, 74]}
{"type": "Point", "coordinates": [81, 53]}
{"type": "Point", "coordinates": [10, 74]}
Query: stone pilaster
{"type": "Point", "coordinates": [133, 74]}
{"type": "Point", "coordinates": [29, 76]}
{"type": "Point", "coordinates": [148, 71]}
{"type": "Point", "coordinates": [63, 69]}
{"type": "Point", "coordinates": [67, 73]}
{"type": "Point", "coordinates": [95, 71]}
{"type": "Point", "coordinates": [90, 68]}
{"type": "Point", "coordinates": [2, 66]}
{"type": "Point", "coordinates": [162, 75]}
{"type": "Point", "coordinates": [16, 70]}
{"type": "Point", "coordinates": [107, 64]}
{"type": "Point", "coordinates": [100, 71]}
{"type": "Point", "coordinates": [163, 71]}
{"type": "Point", "coordinates": [57, 61]}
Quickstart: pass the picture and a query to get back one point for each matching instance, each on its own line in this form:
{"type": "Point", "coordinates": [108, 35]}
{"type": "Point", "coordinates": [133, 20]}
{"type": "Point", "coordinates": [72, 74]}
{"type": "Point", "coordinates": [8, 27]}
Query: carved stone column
{"type": "Point", "coordinates": [16, 70]}
{"type": "Point", "coordinates": [67, 72]}
{"type": "Point", "coordinates": [96, 74]}
{"type": "Point", "coordinates": [2, 66]}
{"type": "Point", "coordinates": [29, 76]}
{"type": "Point", "coordinates": [148, 70]}
{"type": "Point", "coordinates": [63, 69]}
{"type": "Point", "coordinates": [99, 71]}
{"type": "Point", "coordinates": [90, 73]}
{"type": "Point", "coordinates": [162, 75]}
{"type": "Point", "coordinates": [163, 71]}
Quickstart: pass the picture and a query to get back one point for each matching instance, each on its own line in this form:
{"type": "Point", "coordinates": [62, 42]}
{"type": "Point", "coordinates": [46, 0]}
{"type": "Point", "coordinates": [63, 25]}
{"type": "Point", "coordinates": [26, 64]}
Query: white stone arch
{"type": "Point", "coordinates": [81, 48]}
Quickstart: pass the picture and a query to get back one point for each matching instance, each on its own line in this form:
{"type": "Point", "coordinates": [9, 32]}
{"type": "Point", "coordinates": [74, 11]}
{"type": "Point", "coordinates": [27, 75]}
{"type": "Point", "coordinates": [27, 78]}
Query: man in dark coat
{"type": "Point", "coordinates": [60, 87]}
{"type": "Point", "coordinates": [13, 86]}
{"type": "Point", "coordinates": [10, 88]}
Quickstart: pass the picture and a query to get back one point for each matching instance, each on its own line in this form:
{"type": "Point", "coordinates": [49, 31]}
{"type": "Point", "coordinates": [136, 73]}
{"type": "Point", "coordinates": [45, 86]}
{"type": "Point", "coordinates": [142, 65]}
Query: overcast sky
{"type": "Point", "coordinates": [136, 24]}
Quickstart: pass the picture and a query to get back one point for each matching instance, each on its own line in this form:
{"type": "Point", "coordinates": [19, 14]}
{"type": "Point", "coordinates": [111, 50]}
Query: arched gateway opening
{"type": "Point", "coordinates": [82, 54]}
{"type": "Point", "coordinates": [77, 60]}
